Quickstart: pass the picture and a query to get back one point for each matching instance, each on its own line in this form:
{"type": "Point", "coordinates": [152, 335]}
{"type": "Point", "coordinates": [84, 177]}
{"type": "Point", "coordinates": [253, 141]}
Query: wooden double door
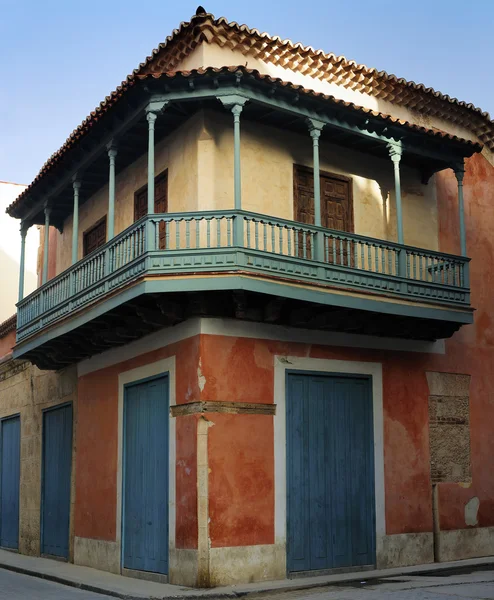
{"type": "Point", "coordinates": [160, 203]}
{"type": "Point", "coordinates": [336, 207]}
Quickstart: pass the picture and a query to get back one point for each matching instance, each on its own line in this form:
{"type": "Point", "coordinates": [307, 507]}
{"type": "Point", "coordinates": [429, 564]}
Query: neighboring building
{"type": "Point", "coordinates": [10, 251]}
{"type": "Point", "coordinates": [262, 372]}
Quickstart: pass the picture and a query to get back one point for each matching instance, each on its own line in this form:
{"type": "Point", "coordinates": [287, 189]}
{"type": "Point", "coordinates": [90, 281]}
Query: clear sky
{"type": "Point", "coordinates": [60, 58]}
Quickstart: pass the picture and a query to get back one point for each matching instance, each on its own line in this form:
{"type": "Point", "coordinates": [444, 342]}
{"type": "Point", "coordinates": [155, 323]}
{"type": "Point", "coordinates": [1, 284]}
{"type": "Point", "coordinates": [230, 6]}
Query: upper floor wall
{"type": "Point", "coordinates": [212, 55]}
{"type": "Point", "coordinates": [198, 158]}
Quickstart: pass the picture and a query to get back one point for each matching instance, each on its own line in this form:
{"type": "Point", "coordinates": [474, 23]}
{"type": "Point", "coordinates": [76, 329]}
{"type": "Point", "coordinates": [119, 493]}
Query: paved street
{"type": "Point", "coordinates": [477, 585]}
{"type": "Point", "coordinates": [14, 586]}
{"type": "Point", "coordinates": [466, 584]}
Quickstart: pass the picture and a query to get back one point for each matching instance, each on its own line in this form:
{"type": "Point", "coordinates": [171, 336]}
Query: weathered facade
{"type": "Point", "coordinates": [267, 305]}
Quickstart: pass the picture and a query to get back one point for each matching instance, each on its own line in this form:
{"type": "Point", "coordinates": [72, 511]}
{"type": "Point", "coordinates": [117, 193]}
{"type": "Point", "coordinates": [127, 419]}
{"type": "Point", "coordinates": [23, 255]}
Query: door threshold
{"type": "Point", "coordinates": [145, 575]}
{"type": "Point", "coordinates": [335, 571]}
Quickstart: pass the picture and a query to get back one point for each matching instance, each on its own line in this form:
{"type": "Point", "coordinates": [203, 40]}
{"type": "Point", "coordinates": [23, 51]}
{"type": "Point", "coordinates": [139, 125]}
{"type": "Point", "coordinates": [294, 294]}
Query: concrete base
{"type": "Point", "coordinates": [247, 564]}
{"type": "Point", "coordinates": [97, 554]}
{"type": "Point", "coordinates": [459, 544]}
{"type": "Point", "coordinates": [404, 549]}
{"type": "Point", "coordinates": [183, 567]}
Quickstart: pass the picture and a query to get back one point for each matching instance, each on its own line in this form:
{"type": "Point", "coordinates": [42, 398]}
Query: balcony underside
{"type": "Point", "coordinates": [149, 304]}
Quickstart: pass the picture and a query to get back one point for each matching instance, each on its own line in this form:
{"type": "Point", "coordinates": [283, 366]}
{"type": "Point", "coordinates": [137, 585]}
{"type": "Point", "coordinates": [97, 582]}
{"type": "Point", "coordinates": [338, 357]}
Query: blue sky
{"type": "Point", "coordinates": [59, 58]}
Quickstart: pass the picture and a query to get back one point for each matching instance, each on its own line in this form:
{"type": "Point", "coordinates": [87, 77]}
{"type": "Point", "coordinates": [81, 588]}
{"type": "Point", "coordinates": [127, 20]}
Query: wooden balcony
{"type": "Point", "coordinates": [219, 251]}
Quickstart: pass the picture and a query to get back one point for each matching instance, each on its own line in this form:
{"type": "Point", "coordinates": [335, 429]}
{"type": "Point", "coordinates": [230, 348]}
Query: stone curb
{"type": "Point", "coordinates": [347, 578]}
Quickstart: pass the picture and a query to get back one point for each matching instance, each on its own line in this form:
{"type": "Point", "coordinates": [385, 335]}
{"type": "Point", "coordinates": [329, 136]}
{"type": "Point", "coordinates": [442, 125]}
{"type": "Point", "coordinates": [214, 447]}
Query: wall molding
{"type": "Point", "coordinates": [233, 408]}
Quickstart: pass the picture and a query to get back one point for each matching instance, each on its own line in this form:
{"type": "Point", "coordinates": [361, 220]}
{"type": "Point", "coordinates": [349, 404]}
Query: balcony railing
{"type": "Point", "coordinates": [240, 241]}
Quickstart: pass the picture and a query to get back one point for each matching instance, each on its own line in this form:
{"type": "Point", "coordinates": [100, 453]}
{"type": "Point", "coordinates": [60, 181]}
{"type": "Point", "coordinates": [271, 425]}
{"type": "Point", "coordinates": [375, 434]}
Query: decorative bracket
{"type": "Point", "coordinates": [233, 102]}
{"type": "Point", "coordinates": [395, 150]}
{"type": "Point", "coordinates": [315, 127]}
{"type": "Point", "coordinates": [459, 169]}
{"type": "Point", "coordinates": [156, 107]}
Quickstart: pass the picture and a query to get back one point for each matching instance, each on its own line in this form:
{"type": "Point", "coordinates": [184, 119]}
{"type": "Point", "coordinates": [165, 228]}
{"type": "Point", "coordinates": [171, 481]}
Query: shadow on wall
{"type": "Point", "coordinates": [10, 284]}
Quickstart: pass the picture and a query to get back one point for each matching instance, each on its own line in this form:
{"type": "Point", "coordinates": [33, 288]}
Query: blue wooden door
{"type": "Point", "coordinates": [55, 482]}
{"type": "Point", "coordinates": [10, 450]}
{"type": "Point", "coordinates": [145, 510]}
{"type": "Point", "coordinates": [330, 472]}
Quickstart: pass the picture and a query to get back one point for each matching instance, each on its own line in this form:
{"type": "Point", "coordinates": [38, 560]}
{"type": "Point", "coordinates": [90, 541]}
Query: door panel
{"type": "Point", "coordinates": [10, 448]}
{"type": "Point", "coordinates": [160, 204]}
{"type": "Point", "coordinates": [56, 475]}
{"type": "Point", "coordinates": [336, 210]}
{"type": "Point", "coordinates": [330, 473]}
{"type": "Point", "coordinates": [145, 513]}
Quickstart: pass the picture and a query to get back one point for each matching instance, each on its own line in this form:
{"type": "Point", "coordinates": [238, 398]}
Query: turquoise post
{"type": "Point", "coordinates": [460, 173]}
{"type": "Point", "coordinates": [112, 154]}
{"type": "Point", "coordinates": [236, 104]}
{"type": "Point", "coordinates": [75, 220]}
{"type": "Point", "coordinates": [24, 229]}
{"type": "Point", "coordinates": [46, 244]}
{"type": "Point", "coordinates": [459, 170]}
{"type": "Point", "coordinates": [151, 117]}
{"type": "Point", "coordinates": [395, 153]}
{"type": "Point", "coordinates": [315, 128]}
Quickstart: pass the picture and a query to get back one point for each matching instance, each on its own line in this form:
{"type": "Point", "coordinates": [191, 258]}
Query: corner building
{"type": "Point", "coordinates": [266, 272]}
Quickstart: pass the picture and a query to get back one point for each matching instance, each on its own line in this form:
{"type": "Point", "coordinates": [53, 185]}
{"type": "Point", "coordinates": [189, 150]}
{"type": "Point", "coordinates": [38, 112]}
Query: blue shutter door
{"type": "Point", "coordinates": [10, 450]}
{"type": "Point", "coordinates": [330, 472]}
{"type": "Point", "coordinates": [56, 472]}
{"type": "Point", "coordinates": [145, 510]}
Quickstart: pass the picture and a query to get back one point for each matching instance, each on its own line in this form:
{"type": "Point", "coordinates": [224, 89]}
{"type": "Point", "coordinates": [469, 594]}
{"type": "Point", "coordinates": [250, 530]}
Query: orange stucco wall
{"type": "Point", "coordinates": [97, 446]}
{"type": "Point", "coordinates": [241, 447]}
{"type": "Point", "coordinates": [7, 342]}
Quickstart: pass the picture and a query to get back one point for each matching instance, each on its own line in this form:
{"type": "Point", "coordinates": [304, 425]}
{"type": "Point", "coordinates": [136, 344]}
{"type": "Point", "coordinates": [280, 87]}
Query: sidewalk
{"type": "Point", "coordinates": [136, 589]}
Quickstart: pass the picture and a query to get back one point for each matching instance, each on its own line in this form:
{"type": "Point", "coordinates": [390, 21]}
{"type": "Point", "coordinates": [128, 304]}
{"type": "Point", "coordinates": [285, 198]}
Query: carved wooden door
{"type": "Point", "coordinates": [94, 237]}
{"type": "Point", "coordinates": [336, 209]}
{"type": "Point", "coordinates": [160, 204]}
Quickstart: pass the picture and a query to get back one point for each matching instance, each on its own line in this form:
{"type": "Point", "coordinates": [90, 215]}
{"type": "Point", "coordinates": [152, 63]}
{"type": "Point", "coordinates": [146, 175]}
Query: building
{"type": "Point", "coordinates": [267, 345]}
{"type": "Point", "coordinates": [10, 252]}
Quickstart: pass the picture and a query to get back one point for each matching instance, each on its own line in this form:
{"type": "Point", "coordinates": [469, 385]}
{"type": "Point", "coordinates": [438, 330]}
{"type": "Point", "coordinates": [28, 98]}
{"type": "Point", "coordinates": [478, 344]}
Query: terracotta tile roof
{"type": "Point", "coordinates": [205, 28]}
{"type": "Point", "coordinates": [8, 326]}
{"type": "Point", "coordinates": [316, 63]}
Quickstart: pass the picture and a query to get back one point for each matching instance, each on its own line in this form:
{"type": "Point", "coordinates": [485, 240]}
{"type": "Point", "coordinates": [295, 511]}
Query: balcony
{"type": "Point", "coordinates": [339, 281]}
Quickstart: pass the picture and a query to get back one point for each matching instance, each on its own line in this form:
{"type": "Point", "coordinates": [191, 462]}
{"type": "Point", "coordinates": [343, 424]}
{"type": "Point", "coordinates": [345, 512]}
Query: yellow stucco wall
{"type": "Point", "coordinates": [268, 156]}
{"type": "Point", "coordinates": [199, 159]}
{"type": "Point", "coordinates": [212, 55]}
{"type": "Point", "coordinates": [177, 153]}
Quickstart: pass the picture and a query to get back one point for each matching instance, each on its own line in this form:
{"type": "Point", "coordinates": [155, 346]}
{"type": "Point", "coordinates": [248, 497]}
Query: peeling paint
{"type": "Point", "coordinates": [465, 485]}
{"type": "Point", "coordinates": [472, 511]}
{"type": "Point", "coordinates": [200, 377]}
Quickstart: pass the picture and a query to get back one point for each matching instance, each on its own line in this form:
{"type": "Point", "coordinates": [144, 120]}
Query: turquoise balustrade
{"type": "Point", "coordinates": [205, 241]}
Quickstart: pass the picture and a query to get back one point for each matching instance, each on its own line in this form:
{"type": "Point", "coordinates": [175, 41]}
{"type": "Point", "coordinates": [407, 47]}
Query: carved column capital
{"type": "Point", "coordinates": [233, 103]}
{"type": "Point", "coordinates": [112, 149]}
{"type": "Point", "coordinates": [76, 185]}
{"type": "Point", "coordinates": [315, 128]}
{"type": "Point", "coordinates": [395, 152]}
{"type": "Point", "coordinates": [459, 169]}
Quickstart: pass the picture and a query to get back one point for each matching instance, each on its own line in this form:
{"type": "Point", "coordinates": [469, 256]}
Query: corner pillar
{"type": "Point", "coordinates": [236, 105]}
{"type": "Point", "coordinates": [46, 244]}
{"type": "Point", "coordinates": [112, 155]}
{"type": "Point", "coordinates": [24, 228]}
{"type": "Point", "coordinates": [395, 153]}
{"type": "Point", "coordinates": [315, 129]}
{"type": "Point", "coordinates": [152, 111]}
{"type": "Point", "coordinates": [76, 185]}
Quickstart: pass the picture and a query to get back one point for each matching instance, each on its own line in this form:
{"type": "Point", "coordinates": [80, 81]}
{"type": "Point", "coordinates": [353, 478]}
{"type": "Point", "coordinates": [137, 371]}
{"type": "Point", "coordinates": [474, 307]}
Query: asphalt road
{"type": "Point", "coordinates": [14, 586]}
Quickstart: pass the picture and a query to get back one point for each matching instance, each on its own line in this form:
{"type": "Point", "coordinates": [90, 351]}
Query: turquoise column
{"type": "Point", "coordinates": [151, 117]}
{"type": "Point", "coordinates": [112, 154]}
{"type": "Point", "coordinates": [395, 153]}
{"type": "Point", "coordinates": [24, 228]}
{"type": "Point", "coordinates": [236, 105]}
{"type": "Point", "coordinates": [315, 129]}
{"type": "Point", "coordinates": [459, 170]}
{"type": "Point", "coordinates": [460, 173]}
{"type": "Point", "coordinates": [76, 184]}
{"type": "Point", "coordinates": [46, 244]}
